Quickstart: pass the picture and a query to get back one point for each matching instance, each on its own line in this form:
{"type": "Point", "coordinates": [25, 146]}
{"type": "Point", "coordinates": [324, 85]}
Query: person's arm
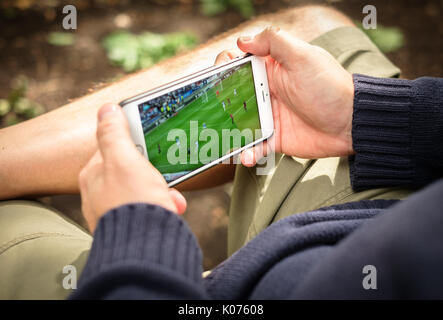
{"type": "Point", "coordinates": [397, 132]}
{"type": "Point", "coordinates": [394, 127]}
{"type": "Point", "coordinates": [141, 251]}
{"type": "Point", "coordinates": [399, 254]}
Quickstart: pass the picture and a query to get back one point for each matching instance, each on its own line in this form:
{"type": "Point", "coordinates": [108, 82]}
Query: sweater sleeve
{"type": "Point", "coordinates": [397, 132]}
{"type": "Point", "coordinates": [142, 251]}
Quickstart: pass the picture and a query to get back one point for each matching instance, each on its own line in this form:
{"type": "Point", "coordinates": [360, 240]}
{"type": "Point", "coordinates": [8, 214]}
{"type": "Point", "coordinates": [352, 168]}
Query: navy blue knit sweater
{"type": "Point", "coordinates": [142, 251]}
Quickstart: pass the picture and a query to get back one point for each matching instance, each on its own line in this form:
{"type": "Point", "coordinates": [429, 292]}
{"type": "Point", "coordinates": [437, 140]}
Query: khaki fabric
{"type": "Point", "coordinates": [299, 185]}
{"type": "Point", "coordinates": [356, 52]}
{"type": "Point", "coordinates": [36, 243]}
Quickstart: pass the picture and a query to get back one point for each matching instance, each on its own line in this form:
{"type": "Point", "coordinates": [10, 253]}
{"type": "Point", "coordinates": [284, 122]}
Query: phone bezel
{"type": "Point", "coordinates": [130, 107]}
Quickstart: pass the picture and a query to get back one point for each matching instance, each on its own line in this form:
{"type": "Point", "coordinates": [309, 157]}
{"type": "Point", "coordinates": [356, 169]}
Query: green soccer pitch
{"type": "Point", "coordinates": [212, 114]}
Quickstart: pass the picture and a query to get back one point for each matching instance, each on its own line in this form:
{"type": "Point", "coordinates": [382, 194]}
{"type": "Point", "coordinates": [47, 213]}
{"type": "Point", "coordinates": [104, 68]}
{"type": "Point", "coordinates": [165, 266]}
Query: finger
{"type": "Point", "coordinates": [275, 43]}
{"type": "Point", "coordinates": [227, 55]}
{"type": "Point", "coordinates": [113, 136]}
{"type": "Point", "coordinates": [249, 157]}
{"type": "Point", "coordinates": [179, 200]}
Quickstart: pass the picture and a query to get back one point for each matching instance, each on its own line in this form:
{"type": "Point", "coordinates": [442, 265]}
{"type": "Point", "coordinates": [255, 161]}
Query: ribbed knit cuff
{"type": "Point", "coordinates": [142, 234]}
{"type": "Point", "coordinates": [381, 133]}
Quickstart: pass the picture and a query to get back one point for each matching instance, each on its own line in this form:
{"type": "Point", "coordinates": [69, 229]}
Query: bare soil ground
{"type": "Point", "coordinates": [58, 74]}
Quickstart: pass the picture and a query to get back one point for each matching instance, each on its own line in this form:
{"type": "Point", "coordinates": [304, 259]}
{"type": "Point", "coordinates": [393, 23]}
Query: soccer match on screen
{"type": "Point", "coordinates": [225, 100]}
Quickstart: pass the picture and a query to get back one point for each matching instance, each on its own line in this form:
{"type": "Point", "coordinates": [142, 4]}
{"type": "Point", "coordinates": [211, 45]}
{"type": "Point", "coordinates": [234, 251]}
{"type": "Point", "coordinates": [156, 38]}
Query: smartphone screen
{"type": "Point", "coordinates": [198, 123]}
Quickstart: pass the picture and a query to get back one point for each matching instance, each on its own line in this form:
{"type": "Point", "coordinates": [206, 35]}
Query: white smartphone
{"type": "Point", "coordinates": [196, 122]}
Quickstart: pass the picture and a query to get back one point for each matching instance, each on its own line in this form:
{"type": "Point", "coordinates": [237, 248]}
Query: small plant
{"type": "Point", "coordinates": [387, 39]}
{"type": "Point", "coordinates": [61, 39]}
{"type": "Point", "coordinates": [17, 107]}
{"type": "Point", "coordinates": [214, 7]}
{"type": "Point", "coordinates": [133, 52]}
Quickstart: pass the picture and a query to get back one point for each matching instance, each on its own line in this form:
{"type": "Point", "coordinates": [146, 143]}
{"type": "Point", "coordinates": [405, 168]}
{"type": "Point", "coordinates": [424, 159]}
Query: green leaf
{"type": "Point", "coordinates": [5, 107]}
{"type": "Point", "coordinates": [152, 46]}
{"type": "Point", "coordinates": [178, 41]}
{"type": "Point", "coordinates": [35, 110]}
{"type": "Point", "coordinates": [387, 39]}
{"type": "Point", "coordinates": [61, 39]}
{"type": "Point", "coordinates": [133, 52]}
{"type": "Point", "coordinates": [22, 106]}
{"type": "Point", "coordinates": [18, 89]}
{"type": "Point", "coordinates": [17, 107]}
{"type": "Point", "coordinates": [11, 119]}
{"type": "Point", "coordinates": [122, 49]}
{"type": "Point", "coordinates": [146, 62]}
{"type": "Point", "coordinates": [213, 7]}
{"type": "Point", "coordinates": [245, 7]}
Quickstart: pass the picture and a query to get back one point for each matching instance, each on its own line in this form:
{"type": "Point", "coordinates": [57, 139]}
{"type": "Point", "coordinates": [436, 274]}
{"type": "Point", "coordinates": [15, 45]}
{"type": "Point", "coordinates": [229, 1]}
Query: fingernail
{"type": "Point", "coordinates": [106, 111]}
{"type": "Point", "coordinates": [249, 157]}
{"type": "Point", "coordinates": [245, 38]}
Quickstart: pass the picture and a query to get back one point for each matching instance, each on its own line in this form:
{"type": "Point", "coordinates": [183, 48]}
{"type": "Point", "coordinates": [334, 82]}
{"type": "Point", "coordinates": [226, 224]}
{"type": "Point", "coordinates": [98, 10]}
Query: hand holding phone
{"type": "Point", "coordinates": [196, 122]}
{"type": "Point", "coordinates": [312, 97]}
{"type": "Point", "coordinates": [118, 174]}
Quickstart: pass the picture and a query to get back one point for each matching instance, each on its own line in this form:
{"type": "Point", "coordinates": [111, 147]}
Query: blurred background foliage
{"type": "Point", "coordinates": [387, 39]}
{"type": "Point", "coordinates": [61, 38]}
{"type": "Point", "coordinates": [16, 107]}
{"type": "Point", "coordinates": [127, 50]}
{"type": "Point", "coordinates": [134, 50]}
{"type": "Point", "coordinates": [207, 7]}
{"type": "Point", "coordinates": [213, 7]}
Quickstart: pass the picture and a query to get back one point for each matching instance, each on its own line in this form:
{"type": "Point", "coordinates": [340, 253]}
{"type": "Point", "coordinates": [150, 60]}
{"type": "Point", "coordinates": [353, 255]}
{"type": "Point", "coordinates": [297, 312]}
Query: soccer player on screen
{"type": "Point", "coordinates": [232, 118]}
{"type": "Point", "coordinates": [244, 105]}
